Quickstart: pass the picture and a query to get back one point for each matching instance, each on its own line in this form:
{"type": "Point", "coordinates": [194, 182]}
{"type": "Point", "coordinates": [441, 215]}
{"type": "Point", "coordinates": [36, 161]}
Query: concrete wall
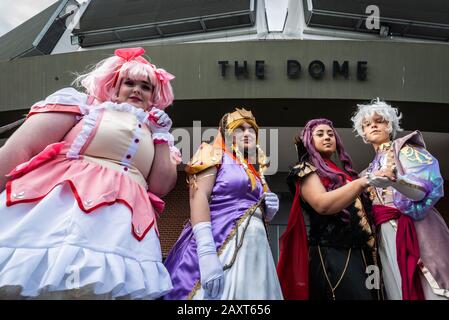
{"type": "Point", "coordinates": [413, 72]}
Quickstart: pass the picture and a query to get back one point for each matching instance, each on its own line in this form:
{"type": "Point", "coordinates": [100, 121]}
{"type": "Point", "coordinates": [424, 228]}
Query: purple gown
{"type": "Point", "coordinates": [231, 197]}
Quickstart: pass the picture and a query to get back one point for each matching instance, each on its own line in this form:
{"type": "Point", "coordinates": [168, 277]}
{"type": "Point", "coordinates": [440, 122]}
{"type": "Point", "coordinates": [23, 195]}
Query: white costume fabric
{"type": "Point", "coordinates": [79, 214]}
{"type": "Point", "coordinates": [253, 274]}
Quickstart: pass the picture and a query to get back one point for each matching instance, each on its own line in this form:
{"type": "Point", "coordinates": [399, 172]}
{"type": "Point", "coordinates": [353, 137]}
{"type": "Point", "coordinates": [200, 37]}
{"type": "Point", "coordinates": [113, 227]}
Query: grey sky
{"type": "Point", "coordinates": [15, 12]}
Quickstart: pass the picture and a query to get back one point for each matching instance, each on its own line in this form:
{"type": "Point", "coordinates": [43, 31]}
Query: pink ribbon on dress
{"type": "Point", "coordinates": [50, 151]}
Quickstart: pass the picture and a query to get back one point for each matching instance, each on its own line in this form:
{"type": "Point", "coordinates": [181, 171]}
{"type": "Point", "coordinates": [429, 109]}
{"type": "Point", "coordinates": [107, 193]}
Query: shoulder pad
{"type": "Point", "coordinates": [303, 169]}
{"type": "Point", "coordinates": [205, 157]}
{"type": "Point", "coordinates": [300, 170]}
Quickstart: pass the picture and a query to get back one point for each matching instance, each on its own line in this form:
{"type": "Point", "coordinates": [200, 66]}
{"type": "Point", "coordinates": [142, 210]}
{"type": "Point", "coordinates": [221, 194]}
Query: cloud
{"type": "Point", "coordinates": [14, 13]}
{"type": "Point", "coordinates": [276, 13]}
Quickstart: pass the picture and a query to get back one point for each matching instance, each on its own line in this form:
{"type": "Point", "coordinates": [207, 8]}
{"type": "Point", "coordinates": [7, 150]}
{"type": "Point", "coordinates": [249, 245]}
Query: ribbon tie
{"type": "Point", "coordinates": [131, 54]}
{"type": "Point", "coordinates": [162, 75]}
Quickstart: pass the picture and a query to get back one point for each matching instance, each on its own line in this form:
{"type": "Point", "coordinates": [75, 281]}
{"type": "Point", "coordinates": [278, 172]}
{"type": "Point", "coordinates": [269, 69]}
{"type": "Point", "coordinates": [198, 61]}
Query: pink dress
{"type": "Point", "coordinates": [79, 214]}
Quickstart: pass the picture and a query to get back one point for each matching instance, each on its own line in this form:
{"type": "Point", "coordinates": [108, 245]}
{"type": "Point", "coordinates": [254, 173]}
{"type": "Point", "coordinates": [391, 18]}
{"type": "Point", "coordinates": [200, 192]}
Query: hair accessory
{"type": "Point", "coordinates": [131, 54]}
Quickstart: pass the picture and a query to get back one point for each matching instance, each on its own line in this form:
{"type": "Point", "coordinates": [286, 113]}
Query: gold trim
{"type": "Point", "coordinates": [228, 239]}
{"type": "Point", "coordinates": [191, 181]}
{"type": "Point", "coordinates": [341, 276]}
{"type": "Point", "coordinates": [304, 168]}
{"type": "Point", "coordinates": [390, 164]}
{"type": "Point", "coordinates": [240, 114]}
{"type": "Point", "coordinates": [364, 222]}
{"type": "Point", "coordinates": [415, 155]}
{"type": "Point", "coordinates": [385, 146]}
{"type": "Point", "coordinates": [432, 282]}
{"type": "Point", "coordinates": [205, 157]}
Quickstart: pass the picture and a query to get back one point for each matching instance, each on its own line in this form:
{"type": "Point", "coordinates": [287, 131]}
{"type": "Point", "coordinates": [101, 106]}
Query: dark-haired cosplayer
{"type": "Point", "coordinates": [331, 263]}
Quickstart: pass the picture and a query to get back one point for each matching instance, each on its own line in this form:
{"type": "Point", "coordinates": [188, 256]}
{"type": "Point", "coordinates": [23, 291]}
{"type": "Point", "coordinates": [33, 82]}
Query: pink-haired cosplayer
{"type": "Point", "coordinates": [81, 182]}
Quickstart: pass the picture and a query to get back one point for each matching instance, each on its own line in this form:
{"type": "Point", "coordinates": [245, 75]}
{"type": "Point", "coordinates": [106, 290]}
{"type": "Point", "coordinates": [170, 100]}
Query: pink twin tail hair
{"type": "Point", "coordinates": [337, 179]}
{"type": "Point", "coordinates": [103, 80]}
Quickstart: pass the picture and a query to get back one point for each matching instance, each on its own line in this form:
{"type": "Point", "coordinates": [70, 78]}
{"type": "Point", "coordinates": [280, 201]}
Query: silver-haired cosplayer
{"type": "Point", "coordinates": [406, 184]}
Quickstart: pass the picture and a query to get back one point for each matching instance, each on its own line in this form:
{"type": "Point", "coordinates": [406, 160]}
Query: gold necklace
{"type": "Point", "coordinates": [341, 276]}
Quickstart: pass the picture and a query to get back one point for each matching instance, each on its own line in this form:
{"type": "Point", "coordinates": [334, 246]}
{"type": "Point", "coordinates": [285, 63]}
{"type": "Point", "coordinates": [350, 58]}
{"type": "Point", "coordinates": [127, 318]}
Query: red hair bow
{"type": "Point", "coordinates": [131, 54]}
{"type": "Point", "coordinates": [162, 75]}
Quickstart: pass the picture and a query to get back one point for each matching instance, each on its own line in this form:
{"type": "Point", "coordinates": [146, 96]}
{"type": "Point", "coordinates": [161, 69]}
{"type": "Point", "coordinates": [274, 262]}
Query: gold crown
{"type": "Point", "coordinates": [240, 114]}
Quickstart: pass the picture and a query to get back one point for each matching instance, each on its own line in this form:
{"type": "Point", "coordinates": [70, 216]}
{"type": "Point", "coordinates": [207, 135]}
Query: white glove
{"type": "Point", "coordinates": [160, 122]}
{"type": "Point", "coordinates": [409, 189]}
{"type": "Point", "coordinates": [271, 205]}
{"type": "Point", "coordinates": [402, 185]}
{"type": "Point", "coordinates": [378, 181]}
{"type": "Point", "coordinates": [211, 269]}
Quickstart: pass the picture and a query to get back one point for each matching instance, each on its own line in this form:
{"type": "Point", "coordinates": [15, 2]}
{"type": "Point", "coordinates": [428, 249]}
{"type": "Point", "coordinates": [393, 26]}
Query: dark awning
{"type": "Point", "coordinates": [408, 18]}
{"type": "Point", "coordinates": [115, 21]}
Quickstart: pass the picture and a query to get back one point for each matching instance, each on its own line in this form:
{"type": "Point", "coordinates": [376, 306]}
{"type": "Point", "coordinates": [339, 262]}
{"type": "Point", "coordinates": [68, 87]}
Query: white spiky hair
{"type": "Point", "coordinates": [383, 109]}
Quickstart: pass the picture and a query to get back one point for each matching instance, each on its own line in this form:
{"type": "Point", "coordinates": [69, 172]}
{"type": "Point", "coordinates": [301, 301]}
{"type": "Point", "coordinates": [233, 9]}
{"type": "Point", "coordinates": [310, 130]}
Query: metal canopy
{"type": "Point", "coordinates": [408, 18]}
{"type": "Point", "coordinates": [115, 21]}
{"type": "Point", "coordinates": [50, 34]}
{"type": "Point", "coordinates": [36, 36]}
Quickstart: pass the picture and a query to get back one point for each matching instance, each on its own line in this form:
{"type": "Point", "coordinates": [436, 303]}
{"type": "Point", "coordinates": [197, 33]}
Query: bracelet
{"type": "Point", "coordinates": [166, 137]}
{"type": "Point", "coordinates": [159, 141]}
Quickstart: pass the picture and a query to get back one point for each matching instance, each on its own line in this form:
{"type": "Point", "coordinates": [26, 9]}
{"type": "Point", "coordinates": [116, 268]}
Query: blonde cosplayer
{"type": "Point", "coordinates": [209, 155]}
{"type": "Point", "coordinates": [216, 254]}
{"type": "Point", "coordinates": [232, 121]}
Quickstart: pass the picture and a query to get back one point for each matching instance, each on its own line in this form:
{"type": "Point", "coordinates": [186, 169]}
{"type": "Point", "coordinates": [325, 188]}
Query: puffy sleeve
{"type": "Point", "coordinates": [299, 172]}
{"type": "Point", "coordinates": [65, 100]}
{"type": "Point", "coordinates": [422, 170]}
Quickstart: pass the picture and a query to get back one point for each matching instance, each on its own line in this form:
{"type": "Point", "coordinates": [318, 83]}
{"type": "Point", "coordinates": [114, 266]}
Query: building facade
{"type": "Point", "coordinates": [288, 61]}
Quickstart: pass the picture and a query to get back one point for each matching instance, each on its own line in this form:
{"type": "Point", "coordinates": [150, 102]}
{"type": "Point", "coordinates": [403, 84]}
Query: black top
{"type": "Point", "coordinates": [342, 229]}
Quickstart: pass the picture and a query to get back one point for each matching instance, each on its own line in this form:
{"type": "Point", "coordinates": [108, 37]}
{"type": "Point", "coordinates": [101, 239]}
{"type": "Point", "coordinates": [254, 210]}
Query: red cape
{"type": "Point", "coordinates": [293, 265]}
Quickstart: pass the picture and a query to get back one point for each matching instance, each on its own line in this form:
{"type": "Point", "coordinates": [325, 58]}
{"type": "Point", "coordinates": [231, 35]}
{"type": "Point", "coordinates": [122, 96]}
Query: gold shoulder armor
{"type": "Point", "coordinates": [205, 157]}
{"type": "Point", "coordinates": [416, 154]}
{"type": "Point", "coordinates": [303, 169]}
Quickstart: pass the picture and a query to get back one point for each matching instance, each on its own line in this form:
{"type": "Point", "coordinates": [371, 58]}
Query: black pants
{"type": "Point", "coordinates": [352, 285]}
